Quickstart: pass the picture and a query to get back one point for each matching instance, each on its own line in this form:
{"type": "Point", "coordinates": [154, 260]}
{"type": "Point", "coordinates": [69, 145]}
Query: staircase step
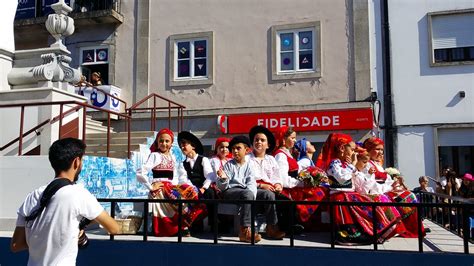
{"type": "Point", "coordinates": [112, 154]}
{"type": "Point", "coordinates": [116, 140]}
{"type": "Point", "coordinates": [120, 135]}
{"type": "Point", "coordinates": [92, 129]}
{"type": "Point", "coordinates": [113, 147]}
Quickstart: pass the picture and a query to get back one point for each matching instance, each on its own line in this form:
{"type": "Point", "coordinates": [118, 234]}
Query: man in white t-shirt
{"type": "Point", "coordinates": [50, 230]}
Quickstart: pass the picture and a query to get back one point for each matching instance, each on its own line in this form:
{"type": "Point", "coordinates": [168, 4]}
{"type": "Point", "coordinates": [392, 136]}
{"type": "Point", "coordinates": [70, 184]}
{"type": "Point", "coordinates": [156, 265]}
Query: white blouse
{"type": "Point", "coordinates": [288, 181]}
{"type": "Point", "coordinates": [266, 169]}
{"type": "Point", "coordinates": [155, 158]}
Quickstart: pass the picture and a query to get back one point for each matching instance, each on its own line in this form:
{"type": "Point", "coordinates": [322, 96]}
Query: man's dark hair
{"type": "Point", "coordinates": [63, 152]}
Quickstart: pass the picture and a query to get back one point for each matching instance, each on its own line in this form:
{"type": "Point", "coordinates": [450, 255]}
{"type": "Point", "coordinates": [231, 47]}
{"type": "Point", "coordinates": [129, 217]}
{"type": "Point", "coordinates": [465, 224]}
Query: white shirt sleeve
{"type": "Point", "coordinates": [304, 163]}
{"type": "Point", "coordinates": [180, 176]}
{"type": "Point", "coordinates": [90, 208]}
{"type": "Point", "coordinates": [208, 173]}
{"type": "Point", "coordinates": [287, 180]}
{"type": "Point", "coordinates": [275, 177]}
{"type": "Point", "coordinates": [144, 169]}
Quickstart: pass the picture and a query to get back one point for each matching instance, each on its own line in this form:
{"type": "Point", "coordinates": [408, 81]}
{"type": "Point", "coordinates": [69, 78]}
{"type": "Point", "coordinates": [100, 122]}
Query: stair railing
{"type": "Point", "coordinates": [171, 105]}
{"type": "Point", "coordinates": [60, 117]}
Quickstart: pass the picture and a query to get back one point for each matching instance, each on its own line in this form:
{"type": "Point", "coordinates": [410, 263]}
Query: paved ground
{"type": "Point", "coordinates": [438, 240]}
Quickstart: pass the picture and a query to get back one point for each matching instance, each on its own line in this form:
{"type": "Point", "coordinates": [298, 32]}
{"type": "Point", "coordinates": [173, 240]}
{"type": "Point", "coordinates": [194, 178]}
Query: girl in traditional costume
{"type": "Point", "coordinates": [169, 181]}
{"type": "Point", "coordinates": [354, 223]}
{"type": "Point", "coordinates": [293, 188]}
{"type": "Point", "coordinates": [306, 151]}
{"type": "Point", "coordinates": [222, 155]}
{"type": "Point", "coordinates": [392, 188]}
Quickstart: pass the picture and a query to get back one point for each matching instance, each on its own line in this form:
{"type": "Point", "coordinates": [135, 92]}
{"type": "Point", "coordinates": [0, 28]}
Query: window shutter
{"type": "Point", "coordinates": [451, 31]}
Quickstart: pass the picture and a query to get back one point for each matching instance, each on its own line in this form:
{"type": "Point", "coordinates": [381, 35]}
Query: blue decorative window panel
{"type": "Point", "coordinates": [295, 51]}
{"type": "Point", "coordinates": [191, 59]}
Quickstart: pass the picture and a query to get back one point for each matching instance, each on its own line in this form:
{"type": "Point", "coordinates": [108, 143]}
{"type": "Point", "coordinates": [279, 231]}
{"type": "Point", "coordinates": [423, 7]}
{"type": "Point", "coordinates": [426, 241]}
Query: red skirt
{"type": "Point", "coordinates": [409, 214]}
{"type": "Point", "coordinates": [306, 194]}
{"type": "Point", "coordinates": [165, 215]}
{"type": "Point", "coordinates": [362, 215]}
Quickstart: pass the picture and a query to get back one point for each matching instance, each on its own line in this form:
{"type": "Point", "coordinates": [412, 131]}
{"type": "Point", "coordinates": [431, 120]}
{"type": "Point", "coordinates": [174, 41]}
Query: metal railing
{"type": "Point", "coordinates": [171, 105]}
{"type": "Point", "coordinates": [330, 204]}
{"type": "Point", "coordinates": [95, 5]}
{"type": "Point", "coordinates": [445, 214]}
{"type": "Point", "coordinates": [59, 119]}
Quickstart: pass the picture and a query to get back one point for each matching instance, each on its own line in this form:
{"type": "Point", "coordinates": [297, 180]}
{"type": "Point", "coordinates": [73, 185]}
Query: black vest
{"type": "Point", "coordinates": [335, 184]}
{"type": "Point", "coordinates": [196, 174]}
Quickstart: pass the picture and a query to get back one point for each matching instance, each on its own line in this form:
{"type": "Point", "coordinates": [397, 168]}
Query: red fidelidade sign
{"type": "Point", "coordinates": [347, 119]}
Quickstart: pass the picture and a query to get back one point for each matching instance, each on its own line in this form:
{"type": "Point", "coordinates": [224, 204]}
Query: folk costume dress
{"type": "Point", "coordinates": [354, 223]}
{"type": "Point", "coordinates": [294, 189]}
{"type": "Point", "coordinates": [169, 181]}
{"type": "Point", "coordinates": [408, 214]}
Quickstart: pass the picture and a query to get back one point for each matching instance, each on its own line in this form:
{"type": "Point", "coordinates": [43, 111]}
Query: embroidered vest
{"type": "Point", "coordinates": [164, 169]}
{"type": "Point", "coordinates": [292, 163]}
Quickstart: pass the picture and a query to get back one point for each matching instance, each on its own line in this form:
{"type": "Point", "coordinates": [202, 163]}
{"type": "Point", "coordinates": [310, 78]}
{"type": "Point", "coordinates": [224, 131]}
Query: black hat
{"type": "Point", "coordinates": [261, 129]}
{"type": "Point", "coordinates": [239, 139]}
{"type": "Point", "coordinates": [195, 142]}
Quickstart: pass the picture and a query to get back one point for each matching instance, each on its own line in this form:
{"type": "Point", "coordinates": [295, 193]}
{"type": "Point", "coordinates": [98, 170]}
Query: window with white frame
{"type": "Point", "coordinates": [191, 59]}
{"type": "Point", "coordinates": [296, 51]}
{"type": "Point", "coordinates": [452, 37]}
{"type": "Point", "coordinates": [95, 59]}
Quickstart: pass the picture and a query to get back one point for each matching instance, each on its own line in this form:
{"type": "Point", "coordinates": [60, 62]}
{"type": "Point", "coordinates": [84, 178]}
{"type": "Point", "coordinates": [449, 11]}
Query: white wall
{"type": "Point", "coordinates": [18, 177]}
{"type": "Point", "coordinates": [415, 153]}
{"type": "Point", "coordinates": [424, 94]}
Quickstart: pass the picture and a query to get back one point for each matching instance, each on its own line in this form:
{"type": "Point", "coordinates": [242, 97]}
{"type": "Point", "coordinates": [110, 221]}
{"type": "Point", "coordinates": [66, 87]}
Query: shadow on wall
{"type": "Point", "coordinates": [425, 55]}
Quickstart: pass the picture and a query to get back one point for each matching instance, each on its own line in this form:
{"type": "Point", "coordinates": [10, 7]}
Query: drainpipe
{"type": "Point", "coordinates": [390, 131]}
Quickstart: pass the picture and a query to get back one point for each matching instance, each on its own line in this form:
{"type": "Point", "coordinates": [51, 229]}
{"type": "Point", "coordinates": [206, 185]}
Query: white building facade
{"type": "Point", "coordinates": [432, 84]}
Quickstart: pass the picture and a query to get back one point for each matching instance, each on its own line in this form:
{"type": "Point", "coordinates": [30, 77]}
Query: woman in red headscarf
{"type": "Point", "coordinates": [168, 181]}
{"type": "Point", "coordinates": [354, 223]}
{"type": "Point", "coordinates": [293, 188]}
{"type": "Point", "coordinates": [394, 189]}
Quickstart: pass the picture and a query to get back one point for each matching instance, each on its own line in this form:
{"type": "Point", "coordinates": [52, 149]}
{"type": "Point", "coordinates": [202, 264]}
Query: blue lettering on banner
{"type": "Point", "coordinates": [95, 101]}
{"type": "Point", "coordinates": [115, 102]}
{"type": "Point", "coordinates": [25, 9]}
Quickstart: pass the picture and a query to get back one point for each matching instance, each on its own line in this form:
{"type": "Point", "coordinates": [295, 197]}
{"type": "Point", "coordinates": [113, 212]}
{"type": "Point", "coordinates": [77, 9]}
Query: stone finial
{"type": "Point", "coordinates": [59, 24]}
{"type": "Point", "coordinates": [27, 72]}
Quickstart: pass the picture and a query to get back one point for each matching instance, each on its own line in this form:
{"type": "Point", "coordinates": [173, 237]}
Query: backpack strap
{"type": "Point", "coordinates": [48, 193]}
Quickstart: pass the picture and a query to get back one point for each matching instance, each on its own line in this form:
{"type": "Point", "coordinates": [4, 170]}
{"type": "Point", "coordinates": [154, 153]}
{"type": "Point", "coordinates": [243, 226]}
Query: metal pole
{"type": "Point", "coordinates": [214, 218]}
{"type": "Point", "coordinates": [180, 220]}
{"type": "Point", "coordinates": [333, 225]}
{"type": "Point", "coordinates": [420, 226]}
{"type": "Point", "coordinates": [60, 120]}
{"type": "Point", "coordinates": [169, 115]}
{"type": "Point", "coordinates": [145, 221]}
{"type": "Point", "coordinates": [292, 225]}
{"type": "Point", "coordinates": [84, 124]}
{"type": "Point", "coordinates": [108, 134]}
{"type": "Point", "coordinates": [22, 118]}
{"type": "Point", "coordinates": [374, 226]}
{"type": "Point", "coordinates": [112, 214]}
{"type": "Point", "coordinates": [252, 223]}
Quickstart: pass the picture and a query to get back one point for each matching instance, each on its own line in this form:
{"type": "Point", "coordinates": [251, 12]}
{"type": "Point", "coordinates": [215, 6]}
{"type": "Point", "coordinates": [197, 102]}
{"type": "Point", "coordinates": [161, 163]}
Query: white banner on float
{"type": "Point", "coordinates": [97, 98]}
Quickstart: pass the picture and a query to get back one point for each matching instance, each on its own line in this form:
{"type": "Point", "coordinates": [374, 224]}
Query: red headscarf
{"type": "Point", "coordinates": [154, 146]}
{"type": "Point", "coordinates": [330, 147]}
{"type": "Point", "coordinates": [218, 143]}
{"type": "Point", "coordinates": [280, 135]}
{"type": "Point", "coordinates": [371, 143]}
